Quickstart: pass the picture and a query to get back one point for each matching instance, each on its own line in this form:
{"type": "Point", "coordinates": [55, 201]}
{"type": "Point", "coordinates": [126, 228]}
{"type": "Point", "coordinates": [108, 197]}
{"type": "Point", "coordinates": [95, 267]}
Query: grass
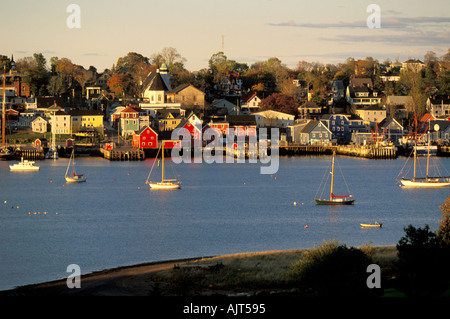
{"type": "Point", "coordinates": [252, 273]}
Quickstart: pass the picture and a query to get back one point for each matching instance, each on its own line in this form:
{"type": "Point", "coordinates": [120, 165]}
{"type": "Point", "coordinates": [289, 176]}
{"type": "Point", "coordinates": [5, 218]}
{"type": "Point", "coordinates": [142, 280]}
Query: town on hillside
{"type": "Point", "coordinates": [140, 101]}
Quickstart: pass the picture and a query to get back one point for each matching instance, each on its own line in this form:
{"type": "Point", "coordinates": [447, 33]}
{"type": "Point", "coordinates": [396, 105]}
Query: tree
{"type": "Point", "coordinates": [422, 268]}
{"type": "Point", "coordinates": [333, 269]}
{"type": "Point", "coordinates": [137, 67]}
{"type": "Point", "coordinates": [34, 72]}
{"type": "Point", "coordinates": [117, 83]}
{"type": "Point", "coordinates": [280, 102]}
{"type": "Point", "coordinates": [443, 232]}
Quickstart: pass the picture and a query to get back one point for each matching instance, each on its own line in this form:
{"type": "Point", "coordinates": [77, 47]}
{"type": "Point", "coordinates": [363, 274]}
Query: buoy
{"type": "Point", "coordinates": [139, 187]}
{"type": "Point", "coordinates": [245, 183]}
{"type": "Point", "coordinates": [303, 203]}
{"type": "Point", "coordinates": [5, 201]}
{"type": "Point", "coordinates": [306, 226]}
{"type": "Point", "coordinates": [115, 179]}
{"type": "Point", "coordinates": [275, 177]}
{"type": "Point", "coordinates": [295, 203]}
{"type": "Point", "coordinates": [51, 182]}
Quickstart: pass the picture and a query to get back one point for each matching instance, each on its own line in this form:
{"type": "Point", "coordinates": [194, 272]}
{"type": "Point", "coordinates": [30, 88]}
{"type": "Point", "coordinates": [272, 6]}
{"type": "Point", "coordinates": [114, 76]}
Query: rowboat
{"type": "Point", "coordinates": [376, 225]}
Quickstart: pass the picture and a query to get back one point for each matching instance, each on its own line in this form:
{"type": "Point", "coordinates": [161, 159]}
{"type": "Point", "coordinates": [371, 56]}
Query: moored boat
{"type": "Point", "coordinates": [376, 225]}
{"type": "Point", "coordinates": [73, 178]}
{"type": "Point", "coordinates": [164, 183]}
{"type": "Point", "coordinates": [427, 181]}
{"type": "Point", "coordinates": [24, 165]}
{"type": "Point", "coordinates": [334, 199]}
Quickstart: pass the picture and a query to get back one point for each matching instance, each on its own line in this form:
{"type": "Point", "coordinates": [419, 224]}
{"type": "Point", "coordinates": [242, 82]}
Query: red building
{"type": "Point", "coordinates": [145, 138]}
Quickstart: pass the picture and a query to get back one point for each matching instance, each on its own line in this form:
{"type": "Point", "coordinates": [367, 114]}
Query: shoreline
{"type": "Point", "coordinates": [143, 279]}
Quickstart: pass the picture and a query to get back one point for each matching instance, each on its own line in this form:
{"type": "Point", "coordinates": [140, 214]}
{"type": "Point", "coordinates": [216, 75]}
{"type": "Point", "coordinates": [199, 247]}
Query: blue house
{"type": "Point", "coordinates": [314, 132]}
{"type": "Point", "coordinates": [339, 125]}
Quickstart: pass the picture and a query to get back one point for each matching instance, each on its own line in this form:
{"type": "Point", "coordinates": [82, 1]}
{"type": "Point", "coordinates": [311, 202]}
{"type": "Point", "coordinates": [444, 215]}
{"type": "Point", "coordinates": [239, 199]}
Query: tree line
{"type": "Point", "coordinates": [271, 78]}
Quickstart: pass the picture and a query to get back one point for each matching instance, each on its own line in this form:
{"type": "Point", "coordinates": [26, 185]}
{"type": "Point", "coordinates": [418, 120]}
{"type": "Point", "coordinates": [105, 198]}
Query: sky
{"type": "Point", "coordinates": [248, 31]}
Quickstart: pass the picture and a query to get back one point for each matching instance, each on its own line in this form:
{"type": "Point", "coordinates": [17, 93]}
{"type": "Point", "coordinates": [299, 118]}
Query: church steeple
{"type": "Point", "coordinates": [13, 64]}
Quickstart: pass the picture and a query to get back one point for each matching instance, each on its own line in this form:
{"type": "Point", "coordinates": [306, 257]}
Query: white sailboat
{"type": "Point", "coordinates": [73, 178]}
{"type": "Point", "coordinates": [427, 181]}
{"type": "Point", "coordinates": [53, 151]}
{"type": "Point", "coordinates": [164, 183]}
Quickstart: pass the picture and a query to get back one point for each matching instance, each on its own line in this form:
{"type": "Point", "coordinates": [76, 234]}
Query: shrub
{"type": "Point", "coordinates": [333, 269]}
{"type": "Point", "coordinates": [422, 264]}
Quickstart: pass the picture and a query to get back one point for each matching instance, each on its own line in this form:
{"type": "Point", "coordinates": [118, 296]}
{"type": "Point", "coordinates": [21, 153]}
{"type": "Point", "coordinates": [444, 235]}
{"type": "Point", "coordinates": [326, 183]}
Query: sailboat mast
{"type": "Point", "coordinates": [332, 176]}
{"type": "Point", "coordinates": [162, 174]}
{"type": "Point", "coordinates": [4, 109]}
{"type": "Point", "coordinates": [428, 153]}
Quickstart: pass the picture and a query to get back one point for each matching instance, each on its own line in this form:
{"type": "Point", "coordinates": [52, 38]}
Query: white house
{"type": "Point", "coordinates": [60, 123]}
{"type": "Point", "coordinates": [251, 103]}
{"type": "Point", "coordinates": [270, 118]}
{"type": "Point", "coordinates": [39, 125]}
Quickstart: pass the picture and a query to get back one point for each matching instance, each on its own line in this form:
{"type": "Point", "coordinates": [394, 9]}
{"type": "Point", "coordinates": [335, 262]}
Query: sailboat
{"type": "Point", "coordinates": [73, 178]}
{"type": "Point", "coordinates": [5, 153]}
{"type": "Point", "coordinates": [164, 183]}
{"type": "Point", "coordinates": [335, 200]}
{"type": "Point", "coordinates": [427, 181]}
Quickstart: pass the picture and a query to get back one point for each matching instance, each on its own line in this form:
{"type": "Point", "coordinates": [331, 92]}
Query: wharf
{"type": "Point", "coordinates": [124, 153]}
{"type": "Point", "coordinates": [443, 150]}
{"type": "Point", "coordinates": [29, 153]}
{"type": "Point", "coordinates": [350, 150]}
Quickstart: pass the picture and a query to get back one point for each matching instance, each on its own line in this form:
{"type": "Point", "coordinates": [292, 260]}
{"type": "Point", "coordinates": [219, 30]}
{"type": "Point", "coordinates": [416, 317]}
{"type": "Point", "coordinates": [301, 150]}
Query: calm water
{"type": "Point", "coordinates": [115, 220]}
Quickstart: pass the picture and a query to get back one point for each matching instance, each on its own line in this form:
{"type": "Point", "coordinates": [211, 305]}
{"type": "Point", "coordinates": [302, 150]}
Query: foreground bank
{"type": "Point", "coordinates": [244, 274]}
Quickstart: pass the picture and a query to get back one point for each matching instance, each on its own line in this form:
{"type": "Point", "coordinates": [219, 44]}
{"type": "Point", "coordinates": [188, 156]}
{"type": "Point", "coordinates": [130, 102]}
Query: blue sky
{"type": "Point", "coordinates": [326, 31]}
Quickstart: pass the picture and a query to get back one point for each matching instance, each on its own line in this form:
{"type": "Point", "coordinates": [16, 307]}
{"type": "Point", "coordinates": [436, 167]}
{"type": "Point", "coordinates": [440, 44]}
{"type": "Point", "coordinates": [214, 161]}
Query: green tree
{"type": "Point", "coordinates": [422, 268]}
{"type": "Point", "coordinates": [34, 72]}
{"type": "Point", "coordinates": [333, 269]}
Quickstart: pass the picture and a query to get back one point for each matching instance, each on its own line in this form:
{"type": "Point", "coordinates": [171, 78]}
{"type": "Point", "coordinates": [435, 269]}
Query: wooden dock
{"type": "Point", "coordinates": [29, 153]}
{"type": "Point", "coordinates": [123, 154]}
{"type": "Point", "coordinates": [350, 150]}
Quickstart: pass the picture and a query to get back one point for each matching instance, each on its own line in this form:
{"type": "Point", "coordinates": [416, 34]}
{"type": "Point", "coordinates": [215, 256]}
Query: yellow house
{"type": "Point", "coordinates": [86, 120]}
{"type": "Point", "coordinates": [168, 119]}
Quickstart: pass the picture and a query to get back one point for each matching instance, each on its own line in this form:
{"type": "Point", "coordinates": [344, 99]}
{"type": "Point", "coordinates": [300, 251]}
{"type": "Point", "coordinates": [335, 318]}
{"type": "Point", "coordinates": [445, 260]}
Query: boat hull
{"type": "Point", "coordinates": [335, 201]}
{"type": "Point", "coordinates": [24, 165]}
{"type": "Point", "coordinates": [19, 168]}
{"type": "Point", "coordinates": [75, 180]}
{"type": "Point", "coordinates": [165, 185]}
{"type": "Point", "coordinates": [424, 184]}
{"type": "Point", "coordinates": [370, 225]}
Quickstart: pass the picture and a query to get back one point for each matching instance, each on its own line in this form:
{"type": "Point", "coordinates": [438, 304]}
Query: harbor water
{"type": "Point", "coordinates": [115, 220]}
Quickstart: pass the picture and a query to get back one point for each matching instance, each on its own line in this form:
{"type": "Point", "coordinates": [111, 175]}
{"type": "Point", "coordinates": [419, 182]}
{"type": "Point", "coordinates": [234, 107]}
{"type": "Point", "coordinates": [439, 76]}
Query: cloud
{"type": "Point", "coordinates": [386, 22]}
{"type": "Point", "coordinates": [94, 54]}
{"type": "Point", "coordinates": [416, 39]}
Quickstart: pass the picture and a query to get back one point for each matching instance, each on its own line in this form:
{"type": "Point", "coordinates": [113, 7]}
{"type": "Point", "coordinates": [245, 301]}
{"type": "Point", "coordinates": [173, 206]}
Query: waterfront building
{"type": "Point", "coordinates": [339, 126]}
{"type": "Point", "coordinates": [313, 133]}
{"type": "Point", "coordinates": [271, 118]}
{"type": "Point", "coordinates": [145, 138]}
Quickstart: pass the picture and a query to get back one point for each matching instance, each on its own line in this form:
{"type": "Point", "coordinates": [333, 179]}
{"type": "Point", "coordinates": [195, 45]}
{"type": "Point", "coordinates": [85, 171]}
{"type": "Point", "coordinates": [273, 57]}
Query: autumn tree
{"type": "Point", "coordinates": [117, 83]}
{"type": "Point", "coordinates": [280, 102]}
